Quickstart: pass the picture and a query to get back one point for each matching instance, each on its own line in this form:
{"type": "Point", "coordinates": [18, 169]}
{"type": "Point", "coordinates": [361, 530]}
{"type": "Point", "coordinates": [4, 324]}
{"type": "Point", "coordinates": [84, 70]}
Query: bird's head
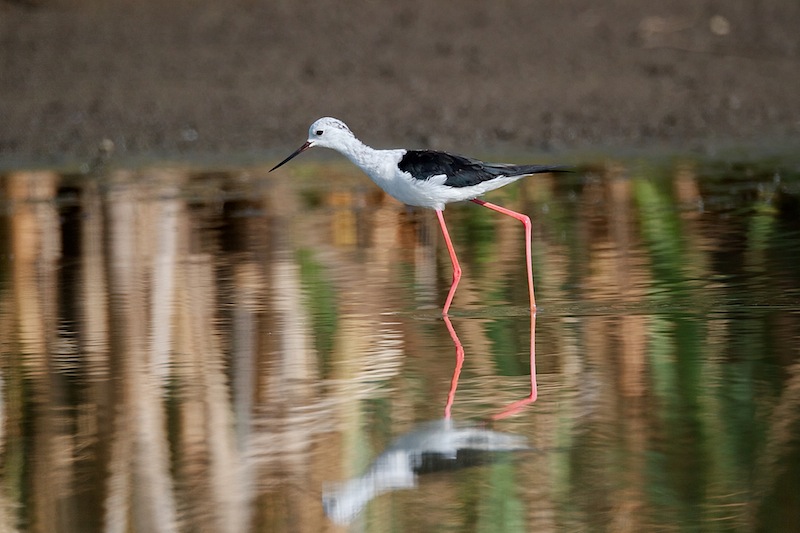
{"type": "Point", "coordinates": [326, 132]}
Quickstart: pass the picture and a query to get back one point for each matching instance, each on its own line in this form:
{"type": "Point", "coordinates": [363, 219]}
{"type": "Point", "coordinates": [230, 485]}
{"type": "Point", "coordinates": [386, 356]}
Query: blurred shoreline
{"type": "Point", "coordinates": [191, 80]}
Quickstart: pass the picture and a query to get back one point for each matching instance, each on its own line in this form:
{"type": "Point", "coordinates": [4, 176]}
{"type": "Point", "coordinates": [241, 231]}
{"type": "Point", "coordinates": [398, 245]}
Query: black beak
{"type": "Point", "coordinates": [297, 152]}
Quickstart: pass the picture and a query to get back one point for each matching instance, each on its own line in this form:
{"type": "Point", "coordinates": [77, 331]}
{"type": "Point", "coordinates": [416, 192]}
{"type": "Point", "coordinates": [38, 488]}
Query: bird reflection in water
{"type": "Point", "coordinates": [440, 445]}
{"type": "Point", "coordinates": [436, 446]}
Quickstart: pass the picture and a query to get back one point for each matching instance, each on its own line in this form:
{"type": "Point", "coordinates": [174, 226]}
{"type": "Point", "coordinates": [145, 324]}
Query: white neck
{"type": "Point", "coordinates": [374, 163]}
{"type": "Point", "coordinates": [356, 151]}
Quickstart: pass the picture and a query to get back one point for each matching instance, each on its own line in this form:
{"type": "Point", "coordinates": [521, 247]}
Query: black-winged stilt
{"type": "Point", "coordinates": [428, 178]}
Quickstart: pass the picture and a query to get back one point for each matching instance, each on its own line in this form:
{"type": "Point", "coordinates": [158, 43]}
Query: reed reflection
{"type": "Point", "coordinates": [180, 351]}
{"type": "Point", "coordinates": [138, 445]}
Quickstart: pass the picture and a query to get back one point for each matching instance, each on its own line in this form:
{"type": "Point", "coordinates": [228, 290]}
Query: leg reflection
{"type": "Point", "coordinates": [451, 396]}
{"type": "Point", "coordinates": [519, 404]}
{"type": "Point", "coordinates": [512, 408]}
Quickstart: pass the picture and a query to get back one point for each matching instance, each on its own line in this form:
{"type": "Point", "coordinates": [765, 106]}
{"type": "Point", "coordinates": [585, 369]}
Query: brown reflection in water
{"type": "Point", "coordinates": [166, 374]}
{"type": "Point", "coordinates": [35, 249]}
{"type": "Point", "coordinates": [617, 273]}
{"type": "Point", "coordinates": [139, 487]}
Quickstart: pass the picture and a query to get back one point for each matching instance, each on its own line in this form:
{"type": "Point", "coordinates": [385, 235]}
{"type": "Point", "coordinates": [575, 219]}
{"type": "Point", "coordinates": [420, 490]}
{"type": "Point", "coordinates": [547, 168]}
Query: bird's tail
{"type": "Point", "coordinates": [525, 170]}
{"type": "Point", "coordinates": [498, 170]}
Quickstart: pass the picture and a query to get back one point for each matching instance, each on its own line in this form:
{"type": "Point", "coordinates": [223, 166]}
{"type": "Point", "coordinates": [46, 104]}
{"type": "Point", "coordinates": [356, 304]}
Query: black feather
{"type": "Point", "coordinates": [463, 171]}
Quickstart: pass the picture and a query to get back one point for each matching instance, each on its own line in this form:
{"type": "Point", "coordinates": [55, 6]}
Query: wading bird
{"type": "Point", "coordinates": [428, 178]}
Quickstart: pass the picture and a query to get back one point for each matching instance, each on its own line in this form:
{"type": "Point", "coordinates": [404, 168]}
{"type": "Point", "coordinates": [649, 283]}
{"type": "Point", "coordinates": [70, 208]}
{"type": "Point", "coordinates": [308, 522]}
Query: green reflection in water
{"type": "Point", "coordinates": [320, 300]}
{"type": "Point", "coordinates": [694, 429]}
{"type": "Point", "coordinates": [499, 507]}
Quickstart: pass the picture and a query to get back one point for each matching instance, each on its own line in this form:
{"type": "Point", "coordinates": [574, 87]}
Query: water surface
{"type": "Point", "coordinates": [186, 350]}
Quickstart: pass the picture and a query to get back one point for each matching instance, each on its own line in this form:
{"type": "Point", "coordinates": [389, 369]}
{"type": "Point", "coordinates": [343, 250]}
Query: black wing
{"type": "Point", "coordinates": [463, 171]}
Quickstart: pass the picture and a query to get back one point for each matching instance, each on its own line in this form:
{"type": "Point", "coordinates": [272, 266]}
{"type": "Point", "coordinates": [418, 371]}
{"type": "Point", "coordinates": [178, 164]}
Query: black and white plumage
{"type": "Point", "coordinates": [462, 171]}
{"type": "Point", "coordinates": [426, 178]}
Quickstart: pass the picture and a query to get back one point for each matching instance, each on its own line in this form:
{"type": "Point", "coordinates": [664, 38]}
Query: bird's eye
{"type": "Point", "coordinates": [318, 132]}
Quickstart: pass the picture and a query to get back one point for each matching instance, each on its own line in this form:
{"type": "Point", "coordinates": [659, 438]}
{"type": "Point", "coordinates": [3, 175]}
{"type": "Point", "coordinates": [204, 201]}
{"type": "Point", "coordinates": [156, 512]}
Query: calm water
{"type": "Point", "coordinates": [236, 351]}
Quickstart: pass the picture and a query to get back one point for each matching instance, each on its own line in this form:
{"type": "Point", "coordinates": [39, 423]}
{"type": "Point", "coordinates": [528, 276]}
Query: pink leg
{"type": "Point", "coordinates": [451, 395]}
{"type": "Point", "coordinates": [453, 259]}
{"type": "Point", "coordinates": [518, 405]}
{"type": "Point", "coordinates": [526, 221]}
